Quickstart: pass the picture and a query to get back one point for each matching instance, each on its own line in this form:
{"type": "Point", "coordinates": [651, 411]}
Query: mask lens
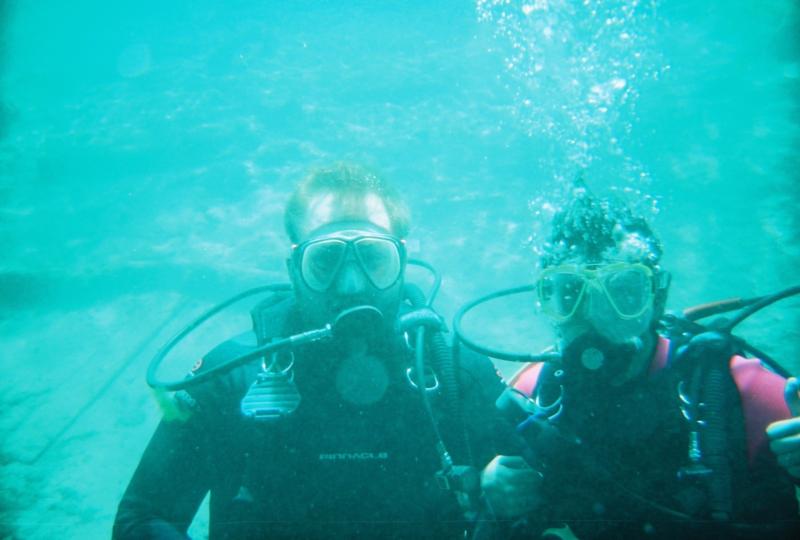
{"type": "Point", "coordinates": [629, 290]}
{"type": "Point", "coordinates": [560, 292]}
{"type": "Point", "coordinates": [320, 262]}
{"type": "Point", "coordinates": [380, 259]}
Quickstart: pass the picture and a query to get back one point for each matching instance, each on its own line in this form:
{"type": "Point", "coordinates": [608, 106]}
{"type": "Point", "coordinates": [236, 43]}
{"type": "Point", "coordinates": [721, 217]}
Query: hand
{"type": "Point", "coordinates": [511, 486]}
{"type": "Point", "coordinates": [784, 435]}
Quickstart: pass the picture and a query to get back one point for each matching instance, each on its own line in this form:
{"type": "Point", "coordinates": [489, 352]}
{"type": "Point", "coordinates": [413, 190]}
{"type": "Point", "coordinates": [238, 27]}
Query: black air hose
{"type": "Point", "coordinates": [444, 365]}
{"type": "Point", "coordinates": [715, 437]}
{"type": "Point", "coordinates": [442, 356]}
{"type": "Point", "coordinates": [444, 361]}
{"type": "Point", "coordinates": [414, 295]}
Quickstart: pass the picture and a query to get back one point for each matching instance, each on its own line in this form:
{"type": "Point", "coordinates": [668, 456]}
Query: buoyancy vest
{"type": "Point", "coordinates": [740, 489]}
{"type": "Point", "coordinates": [407, 432]}
{"type": "Point", "coordinates": [760, 391]}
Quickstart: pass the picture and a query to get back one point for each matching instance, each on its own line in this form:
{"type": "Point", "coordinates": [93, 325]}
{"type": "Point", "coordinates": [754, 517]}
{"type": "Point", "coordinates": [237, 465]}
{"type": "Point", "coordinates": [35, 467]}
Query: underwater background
{"type": "Point", "coordinates": [147, 150]}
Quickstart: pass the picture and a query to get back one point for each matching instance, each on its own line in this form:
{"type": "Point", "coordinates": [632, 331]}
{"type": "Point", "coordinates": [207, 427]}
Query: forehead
{"type": "Point", "coordinates": [345, 229]}
{"type": "Point", "coordinates": [326, 208]}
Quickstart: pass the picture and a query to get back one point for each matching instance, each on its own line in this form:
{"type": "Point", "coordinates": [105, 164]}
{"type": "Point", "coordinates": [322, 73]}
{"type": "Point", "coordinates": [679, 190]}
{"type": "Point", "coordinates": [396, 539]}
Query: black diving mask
{"type": "Point", "coordinates": [381, 257]}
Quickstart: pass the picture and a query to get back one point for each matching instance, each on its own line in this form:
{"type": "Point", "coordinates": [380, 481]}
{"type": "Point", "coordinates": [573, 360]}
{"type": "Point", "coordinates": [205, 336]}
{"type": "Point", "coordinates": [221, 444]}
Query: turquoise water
{"type": "Point", "coordinates": [146, 152]}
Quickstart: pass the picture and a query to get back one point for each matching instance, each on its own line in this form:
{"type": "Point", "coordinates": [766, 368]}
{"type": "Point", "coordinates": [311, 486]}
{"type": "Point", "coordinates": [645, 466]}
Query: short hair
{"type": "Point", "coordinates": [348, 184]}
{"type": "Point", "coordinates": [587, 227]}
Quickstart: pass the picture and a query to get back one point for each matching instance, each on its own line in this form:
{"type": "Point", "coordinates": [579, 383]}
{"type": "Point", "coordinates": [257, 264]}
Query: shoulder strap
{"type": "Point", "coordinates": [271, 316]}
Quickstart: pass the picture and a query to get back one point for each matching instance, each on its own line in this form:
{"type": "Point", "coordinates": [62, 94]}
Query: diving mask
{"type": "Point", "coordinates": [629, 288]}
{"type": "Point", "coordinates": [380, 256]}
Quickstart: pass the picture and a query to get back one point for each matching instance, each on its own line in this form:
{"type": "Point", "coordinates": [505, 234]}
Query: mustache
{"type": "Point", "coordinates": [340, 304]}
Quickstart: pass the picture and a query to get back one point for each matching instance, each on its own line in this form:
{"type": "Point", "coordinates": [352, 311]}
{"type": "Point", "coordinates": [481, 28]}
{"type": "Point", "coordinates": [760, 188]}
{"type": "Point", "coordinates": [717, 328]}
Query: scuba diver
{"type": "Point", "coordinates": [643, 424]}
{"type": "Point", "coordinates": [352, 434]}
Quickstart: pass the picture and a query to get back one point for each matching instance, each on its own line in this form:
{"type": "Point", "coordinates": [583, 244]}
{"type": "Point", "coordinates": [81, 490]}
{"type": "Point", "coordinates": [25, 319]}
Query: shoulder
{"type": "Point", "coordinates": [476, 365]}
{"type": "Point", "coordinates": [479, 372]}
{"type": "Point", "coordinates": [224, 391]}
{"type": "Point", "coordinates": [270, 319]}
{"type": "Point", "coordinates": [226, 351]}
{"type": "Point", "coordinates": [760, 385]}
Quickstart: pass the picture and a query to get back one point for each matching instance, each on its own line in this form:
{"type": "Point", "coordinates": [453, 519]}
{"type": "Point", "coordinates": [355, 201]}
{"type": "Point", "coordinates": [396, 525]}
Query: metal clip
{"type": "Point", "coordinates": [274, 394]}
{"type": "Point", "coordinates": [415, 386]}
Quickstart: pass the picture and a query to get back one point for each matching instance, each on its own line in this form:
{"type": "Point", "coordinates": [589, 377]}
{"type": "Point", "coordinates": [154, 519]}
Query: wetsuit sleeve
{"type": "Point", "coordinates": [168, 486]}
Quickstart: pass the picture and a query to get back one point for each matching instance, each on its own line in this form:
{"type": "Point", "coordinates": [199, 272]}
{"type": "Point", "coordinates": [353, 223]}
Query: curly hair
{"type": "Point", "coordinates": [588, 227]}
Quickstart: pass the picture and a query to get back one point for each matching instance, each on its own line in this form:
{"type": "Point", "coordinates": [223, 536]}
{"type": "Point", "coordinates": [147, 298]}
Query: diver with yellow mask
{"type": "Point", "coordinates": [642, 423]}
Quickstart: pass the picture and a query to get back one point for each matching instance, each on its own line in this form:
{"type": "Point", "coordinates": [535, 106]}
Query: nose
{"type": "Point", "coordinates": [591, 297]}
{"type": "Point", "coordinates": [596, 304]}
{"type": "Point", "coordinates": [350, 280]}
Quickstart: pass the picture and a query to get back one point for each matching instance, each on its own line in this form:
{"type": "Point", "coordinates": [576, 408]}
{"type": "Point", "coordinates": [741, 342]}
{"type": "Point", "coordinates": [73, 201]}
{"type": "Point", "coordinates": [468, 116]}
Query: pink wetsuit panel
{"type": "Point", "coordinates": [526, 378]}
{"type": "Point", "coordinates": [761, 392]}
{"type": "Point", "coordinates": [660, 356]}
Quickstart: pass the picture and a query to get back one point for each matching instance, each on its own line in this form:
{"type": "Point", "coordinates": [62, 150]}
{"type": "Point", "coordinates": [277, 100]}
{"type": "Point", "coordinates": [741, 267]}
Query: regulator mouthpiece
{"type": "Point", "coordinates": [593, 353]}
{"type": "Point", "coordinates": [359, 321]}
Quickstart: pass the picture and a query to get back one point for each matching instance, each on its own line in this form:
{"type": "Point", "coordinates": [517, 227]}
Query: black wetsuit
{"type": "Point", "coordinates": [332, 469]}
{"type": "Point", "coordinates": [615, 474]}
